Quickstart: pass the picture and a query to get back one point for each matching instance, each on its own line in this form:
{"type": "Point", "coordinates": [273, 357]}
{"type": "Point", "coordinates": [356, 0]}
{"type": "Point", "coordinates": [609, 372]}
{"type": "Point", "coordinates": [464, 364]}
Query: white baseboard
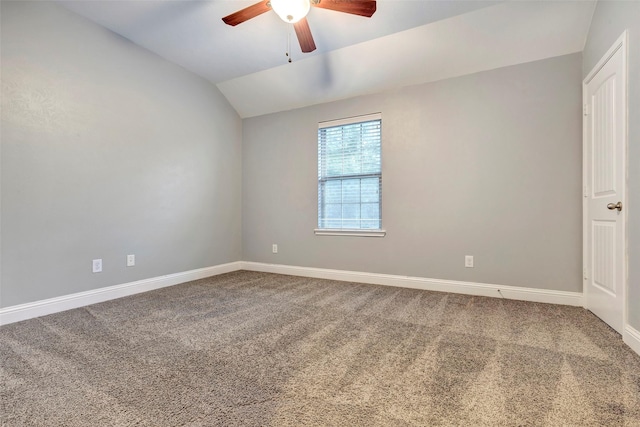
{"type": "Point", "coordinates": [631, 337]}
{"type": "Point", "coordinates": [20, 312]}
{"type": "Point", "coordinates": [469, 288]}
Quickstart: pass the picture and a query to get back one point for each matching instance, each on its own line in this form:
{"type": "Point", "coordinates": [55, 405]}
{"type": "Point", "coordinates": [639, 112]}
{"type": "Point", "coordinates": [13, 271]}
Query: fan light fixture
{"type": "Point", "coordinates": [291, 11]}
{"type": "Point", "coordinates": [295, 11]}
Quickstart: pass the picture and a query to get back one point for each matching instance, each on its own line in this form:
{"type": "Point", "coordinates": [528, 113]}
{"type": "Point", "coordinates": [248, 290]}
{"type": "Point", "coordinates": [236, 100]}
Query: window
{"type": "Point", "coordinates": [350, 176]}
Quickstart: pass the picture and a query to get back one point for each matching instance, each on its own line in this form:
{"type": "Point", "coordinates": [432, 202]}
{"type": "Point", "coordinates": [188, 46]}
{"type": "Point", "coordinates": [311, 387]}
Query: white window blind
{"type": "Point", "coordinates": [350, 174]}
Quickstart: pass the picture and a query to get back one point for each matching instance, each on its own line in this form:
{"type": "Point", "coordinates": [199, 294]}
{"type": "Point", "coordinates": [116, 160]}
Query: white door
{"type": "Point", "coordinates": [605, 135]}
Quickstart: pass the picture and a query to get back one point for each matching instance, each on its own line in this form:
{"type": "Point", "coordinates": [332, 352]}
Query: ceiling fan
{"type": "Point", "coordinates": [295, 12]}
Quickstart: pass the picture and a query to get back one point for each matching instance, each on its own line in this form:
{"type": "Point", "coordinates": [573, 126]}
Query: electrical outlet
{"type": "Point", "coordinates": [468, 261]}
{"type": "Point", "coordinates": [131, 260]}
{"type": "Point", "coordinates": [274, 248]}
{"type": "Point", "coordinates": [97, 265]}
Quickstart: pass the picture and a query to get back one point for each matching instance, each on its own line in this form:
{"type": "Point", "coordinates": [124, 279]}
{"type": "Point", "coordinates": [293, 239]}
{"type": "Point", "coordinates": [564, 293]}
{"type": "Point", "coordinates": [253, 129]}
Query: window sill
{"type": "Point", "coordinates": [346, 232]}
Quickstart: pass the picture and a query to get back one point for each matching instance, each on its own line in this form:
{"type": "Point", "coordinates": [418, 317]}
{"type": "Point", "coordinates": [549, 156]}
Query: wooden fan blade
{"type": "Point", "coordinates": [247, 13]}
{"type": "Point", "coordinates": [355, 7]}
{"type": "Point", "coordinates": [304, 35]}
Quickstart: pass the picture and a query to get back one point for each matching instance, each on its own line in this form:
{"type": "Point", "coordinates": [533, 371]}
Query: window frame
{"type": "Point", "coordinates": [355, 232]}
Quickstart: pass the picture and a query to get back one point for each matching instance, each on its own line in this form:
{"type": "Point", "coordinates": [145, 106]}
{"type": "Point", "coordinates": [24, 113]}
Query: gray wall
{"type": "Point", "coordinates": [610, 19]}
{"type": "Point", "coordinates": [107, 150]}
{"type": "Point", "coordinates": [486, 165]}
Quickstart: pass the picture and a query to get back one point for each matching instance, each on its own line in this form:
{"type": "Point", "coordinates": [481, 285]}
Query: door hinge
{"type": "Point", "coordinates": [584, 273]}
{"type": "Point", "coordinates": [585, 191]}
{"type": "Point", "coordinates": [585, 109]}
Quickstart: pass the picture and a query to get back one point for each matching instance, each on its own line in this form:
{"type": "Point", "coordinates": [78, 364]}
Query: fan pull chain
{"type": "Point", "coordinates": [288, 54]}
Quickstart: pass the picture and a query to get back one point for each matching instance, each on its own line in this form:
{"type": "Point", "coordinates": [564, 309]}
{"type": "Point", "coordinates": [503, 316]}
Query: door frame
{"type": "Point", "coordinates": [620, 44]}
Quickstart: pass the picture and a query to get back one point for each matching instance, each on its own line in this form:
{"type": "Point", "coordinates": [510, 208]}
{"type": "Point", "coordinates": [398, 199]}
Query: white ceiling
{"type": "Point", "coordinates": [405, 42]}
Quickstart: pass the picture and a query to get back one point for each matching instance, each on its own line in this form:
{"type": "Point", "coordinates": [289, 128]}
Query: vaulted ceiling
{"type": "Point", "coordinates": [405, 42]}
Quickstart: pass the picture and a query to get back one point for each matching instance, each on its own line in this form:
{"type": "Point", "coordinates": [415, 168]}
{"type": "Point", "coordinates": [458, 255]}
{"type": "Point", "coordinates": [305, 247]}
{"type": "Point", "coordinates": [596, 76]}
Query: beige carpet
{"type": "Point", "coordinates": [257, 349]}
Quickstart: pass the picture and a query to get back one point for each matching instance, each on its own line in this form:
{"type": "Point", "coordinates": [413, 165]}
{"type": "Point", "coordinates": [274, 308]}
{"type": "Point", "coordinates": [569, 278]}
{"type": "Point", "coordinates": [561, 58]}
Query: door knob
{"type": "Point", "coordinates": [612, 206]}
